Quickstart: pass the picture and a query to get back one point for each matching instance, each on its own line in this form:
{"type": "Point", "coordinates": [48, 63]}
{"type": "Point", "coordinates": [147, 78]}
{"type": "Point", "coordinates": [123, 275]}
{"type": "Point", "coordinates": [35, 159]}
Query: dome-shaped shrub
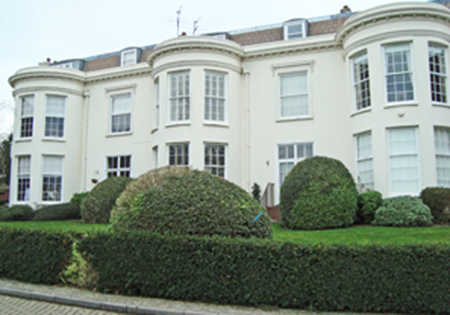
{"type": "Point", "coordinates": [189, 202]}
{"type": "Point", "coordinates": [97, 206]}
{"type": "Point", "coordinates": [368, 203]}
{"type": "Point", "coordinates": [318, 193]}
{"type": "Point", "coordinates": [438, 200]}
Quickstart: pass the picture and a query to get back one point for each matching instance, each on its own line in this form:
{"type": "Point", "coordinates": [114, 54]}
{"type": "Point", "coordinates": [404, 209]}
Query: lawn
{"type": "Point", "coordinates": [356, 234]}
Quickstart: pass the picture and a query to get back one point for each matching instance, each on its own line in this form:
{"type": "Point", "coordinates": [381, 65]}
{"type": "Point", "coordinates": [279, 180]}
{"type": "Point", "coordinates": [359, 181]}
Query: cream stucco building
{"type": "Point", "coordinates": [369, 89]}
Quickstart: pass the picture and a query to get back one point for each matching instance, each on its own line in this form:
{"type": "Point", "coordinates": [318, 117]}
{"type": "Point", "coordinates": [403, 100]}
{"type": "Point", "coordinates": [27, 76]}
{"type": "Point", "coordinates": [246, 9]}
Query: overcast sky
{"type": "Point", "coordinates": [33, 30]}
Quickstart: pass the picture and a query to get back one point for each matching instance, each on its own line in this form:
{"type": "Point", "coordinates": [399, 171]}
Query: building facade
{"type": "Point", "coordinates": [369, 89]}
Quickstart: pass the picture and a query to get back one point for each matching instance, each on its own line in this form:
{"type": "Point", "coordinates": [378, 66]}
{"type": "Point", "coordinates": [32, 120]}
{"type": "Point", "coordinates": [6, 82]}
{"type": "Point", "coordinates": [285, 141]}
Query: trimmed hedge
{"type": "Point", "coordinates": [373, 278]}
{"type": "Point", "coordinates": [16, 213]}
{"type": "Point", "coordinates": [61, 212]}
{"type": "Point", "coordinates": [368, 203]}
{"type": "Point", "coordinates": [318, 193]}
{"type": "Point", "coordinates": [77, 199]}
{"type": "Point", "coordinates": [34, 256]}
{"type": "Point", "coordinates": [438, 199]}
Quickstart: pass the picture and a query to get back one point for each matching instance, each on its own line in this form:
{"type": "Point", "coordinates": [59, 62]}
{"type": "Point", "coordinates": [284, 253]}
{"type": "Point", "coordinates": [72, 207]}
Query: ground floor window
{"type": "Point", "coordinates": [404, 161]}
{"type": "Point", "coordinates": [215, 159]}
{"type": "Point", "coordinates": [118, 166]}
{"type": "Point", "coordinates": [364, 161]}
{"type": "Point", "coordinates": [23, 178]}
{"type": "Point", "coordinates": [442, 149]}
{"type": "Point", "coordinates": [291, 154]}
{"type": "Point", "coordinates": [179, 154]}
{"type": "Point", "coordinates": [52, 177]}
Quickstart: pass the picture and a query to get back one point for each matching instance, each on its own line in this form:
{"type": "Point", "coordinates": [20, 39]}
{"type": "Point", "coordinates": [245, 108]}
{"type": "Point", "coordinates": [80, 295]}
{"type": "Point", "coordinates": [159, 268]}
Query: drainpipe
{"type": "Point", "coordinates": [86, 95]}
{"type": "Point", "coordinates": [246, 72]}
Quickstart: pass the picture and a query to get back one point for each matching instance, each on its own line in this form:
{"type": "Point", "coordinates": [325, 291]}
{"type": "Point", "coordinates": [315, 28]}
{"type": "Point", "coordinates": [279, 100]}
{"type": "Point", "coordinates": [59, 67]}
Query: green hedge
{"type": "Point", "coordinates": [33, 256]}
{"type": "Point", "coordinates": [16, 213]}
{"type": "Point", "coordinates": [404, 279]}
{"type": "Point", "coordinates": [59, 212]}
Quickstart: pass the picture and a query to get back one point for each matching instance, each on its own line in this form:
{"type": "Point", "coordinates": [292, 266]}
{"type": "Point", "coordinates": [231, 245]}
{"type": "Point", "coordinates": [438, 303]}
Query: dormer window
{"type": "Point", "coordinates": [128, 57]}
{"type": "Point", "coordinates": [295, 29]}
{"type": "Point", "coordinates": [70, 64]}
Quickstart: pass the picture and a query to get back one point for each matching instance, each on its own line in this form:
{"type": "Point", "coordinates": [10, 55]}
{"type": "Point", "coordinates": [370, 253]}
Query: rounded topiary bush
{"type": "Point", "coordinates": [97, 206]}
{"type": "Point", "coordinates": [16, 213]}
{"type": "Point", "coordinates": [318, 193]}
{"type": "Point", "coordinates": [403, 211]}
{"type": "Point", "coordinates": [368, 203]}
{"type": "Point", "coordinates": [438, 200]}
{"type": "Point", "coordinates": [189, 202]}
{"type": "Point", "coordinates": [60, 212]}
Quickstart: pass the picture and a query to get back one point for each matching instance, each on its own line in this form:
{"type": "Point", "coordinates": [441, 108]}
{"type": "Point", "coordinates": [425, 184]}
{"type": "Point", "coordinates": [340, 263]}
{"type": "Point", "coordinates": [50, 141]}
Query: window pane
{"type": "Point", "coordinates": [118, 166]}
{"type": "Point", "coordinates": [294, 95]}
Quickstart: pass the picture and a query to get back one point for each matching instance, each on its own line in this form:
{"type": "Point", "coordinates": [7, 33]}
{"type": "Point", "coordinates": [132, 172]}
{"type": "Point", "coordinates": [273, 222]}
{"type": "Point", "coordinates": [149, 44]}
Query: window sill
{"type": "Point", "coordinates": [23, 140]}
{"type": "Point", "coordinates": [403, 104]}
{"type": "Point", "coordinates": [119, 134]}
{"type": "Point", "coordinates": [441, 105]}
{"type": "Point", "coordinates": [178, 124]}
{"type": "Point", "coordinates": [216, 124]}
{"type": "Point", "coordinates": [361, 111]}
{"type": "Point", "coordinates": [288, 119]}
{"type": "Point", "coordinates": [54, 139]}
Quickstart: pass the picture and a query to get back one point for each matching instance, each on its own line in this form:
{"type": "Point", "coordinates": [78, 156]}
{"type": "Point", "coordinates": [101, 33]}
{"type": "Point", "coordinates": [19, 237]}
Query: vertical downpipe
{"type": "Point", "coordinates": [246, 72]}
{"type": "Point", "coordinates": [86, 95]}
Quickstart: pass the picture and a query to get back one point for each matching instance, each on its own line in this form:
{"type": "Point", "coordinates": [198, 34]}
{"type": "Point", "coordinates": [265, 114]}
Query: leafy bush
{"type": "Point", "coordinates": [368, 203]}
{"type": "Point", "coordinates": [319, 192]}
{"type": "Point", "coordinates": [403, 211]}
{"type": "Point", "coordinates": [413, 279]}
{"type": "Point", "coordinates": [16, 213]}
{"type": "Point", "coordinates": [256, 192]}
{"type": "Point", "coordinates": [438, 199]}
{"type": "Point", "coordinates": [77, 199]}
{"type": "Point", "coordinates": [191, 202]}
{"type": "Point", "coordinates": [33, 256]}
{"type": "Point", "coordinates": [60, 212]}
{"type": "Point", "coordinates": [97, 206]}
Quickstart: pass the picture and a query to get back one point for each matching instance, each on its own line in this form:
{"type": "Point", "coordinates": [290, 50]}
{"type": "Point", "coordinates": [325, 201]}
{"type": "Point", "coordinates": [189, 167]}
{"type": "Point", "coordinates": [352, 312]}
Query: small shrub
{"type": "Point", "coordinates": [77, 199]}
{"type": "Point", "coordinates": [190, 202]}
{"type": "Point", "coordinates": [368, 203]}
{"type": "Point", "coordinates": [403, 211]}
{"type": "Point", "coordinates": [96, 207]}
{"type": "Point", "coordinates": [256, 192]}
{"type": "Point", "coordinates": [438, 199]}
{"type": "Point", "coordinates": [318, 193]}
{"type": "Point", "coordinates": [61, 212]}
{"type": "Point", "coordinates": [16, 213]}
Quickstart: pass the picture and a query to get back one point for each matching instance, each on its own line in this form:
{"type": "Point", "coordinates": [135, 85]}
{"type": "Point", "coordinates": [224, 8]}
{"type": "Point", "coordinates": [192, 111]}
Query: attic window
{"type": "Point", "coordinates": [295, 29]}
{"type": "Point", "coordinates": [128, 57]}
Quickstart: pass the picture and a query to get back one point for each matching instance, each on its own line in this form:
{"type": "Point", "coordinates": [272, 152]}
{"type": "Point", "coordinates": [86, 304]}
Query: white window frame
{"type": "Point", "coordinates": [23, 174]}
{"type": "Point", "coordinates": [361, 86]}
{"type": "Point", "coordinates": [399, 47]}
{"type": "Point", "coordinates": [112, 97]}
{"type": "Point", "coordinates": [217, 168]}
{"type": "Point", "coordinates": [364, 158]}
{"type": "Point", "coordinates": [127, 61]}
{"type": "Point", "coordinates": [416, 191]}
{"type": "Point", "coordinates": [291, 160]}
{"type": "Point", "coordinates": [179, 103]}
{"type": "Point", "coordinates": [26, 116]}
{"type": "Point", "coordinates": [442, 152]}
{"type": "Point", "coordinates": [59, 195]}
{"type": "Point", "coordinates": [214, 99]}
{"type": "Point", "coordinates": [441, 73]}
{"type": "Point", "coordinates": [55, 116]}
{"type": "Point", "coordinates": [287, 35]}
{"type": "Point", "coordinates": [300, 94]}
{"type": "Point", "coordinates": [176, 146]}
{"type": "Point", "coordinates": [119, 170]}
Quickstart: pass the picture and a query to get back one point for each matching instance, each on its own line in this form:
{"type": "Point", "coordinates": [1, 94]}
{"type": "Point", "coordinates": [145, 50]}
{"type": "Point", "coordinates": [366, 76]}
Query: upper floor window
{"type": "Point", "coordinates": [118, 166]}
{"type": "Point", "coordinates": [291, 154]}
{"type": "Point", "coordinates": [54, 116]}
{"type": "Point", "coordinates": [179, 96]}
{"type": "Point", "coordinates": [215, 159]}
{"type": "Point", "coordinates": [361, 81]}
{"type": "Point", "coordinates": [121, 113]}
{"type": "Point", "coordinates": [364, 160]}
{"type": "Point", "coordinates": [398, 70]}
{"type": "Point", "coordinates": [52, 178]}
{"type": "Point", "coordinates": [214, 96]}
{"type": "Point", "coordinates": [294, 95]}
{"type": "Point", "coordinates": [23, 178]}
{"type": "Point", "coordinates": [442, 149]}
{"type": "Point", "coordinates": [179, 154]}
{"type": "Point", "coordinates": [26, 116]}
{"type": "Point", "coordinates": [438, 73]}
{"type": "Point", "coordinates": [295, 29]}
{"type": "Point", "coordinates": [128, 57]}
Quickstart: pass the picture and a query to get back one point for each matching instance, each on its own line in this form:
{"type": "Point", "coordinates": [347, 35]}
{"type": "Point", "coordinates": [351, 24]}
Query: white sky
{"type": "Point", "coordinates": [32, 30]}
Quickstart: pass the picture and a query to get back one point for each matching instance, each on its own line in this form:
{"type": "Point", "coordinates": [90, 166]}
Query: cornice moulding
{"type": "Point", "coordinates": [47, 89]}
{"type": "Point", "coordinates": [36, 73]}
{"type": "Point", "coordinates": [195, 63]}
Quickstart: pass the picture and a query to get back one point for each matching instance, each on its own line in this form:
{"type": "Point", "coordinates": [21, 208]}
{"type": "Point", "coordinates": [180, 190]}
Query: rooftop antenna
{"type": "Point", "coordinates": [178, 20]}
{"type": "Point", "coordinates": [196, 26]}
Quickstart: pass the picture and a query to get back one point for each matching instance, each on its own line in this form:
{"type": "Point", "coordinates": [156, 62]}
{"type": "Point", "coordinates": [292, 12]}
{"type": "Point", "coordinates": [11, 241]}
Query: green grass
{"type": "Point", "coordinates": [65, 226]}
{"type": "Point", "coordinates": [357, 234]}
{"type": "Point", "coordinates": [366, 235]}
